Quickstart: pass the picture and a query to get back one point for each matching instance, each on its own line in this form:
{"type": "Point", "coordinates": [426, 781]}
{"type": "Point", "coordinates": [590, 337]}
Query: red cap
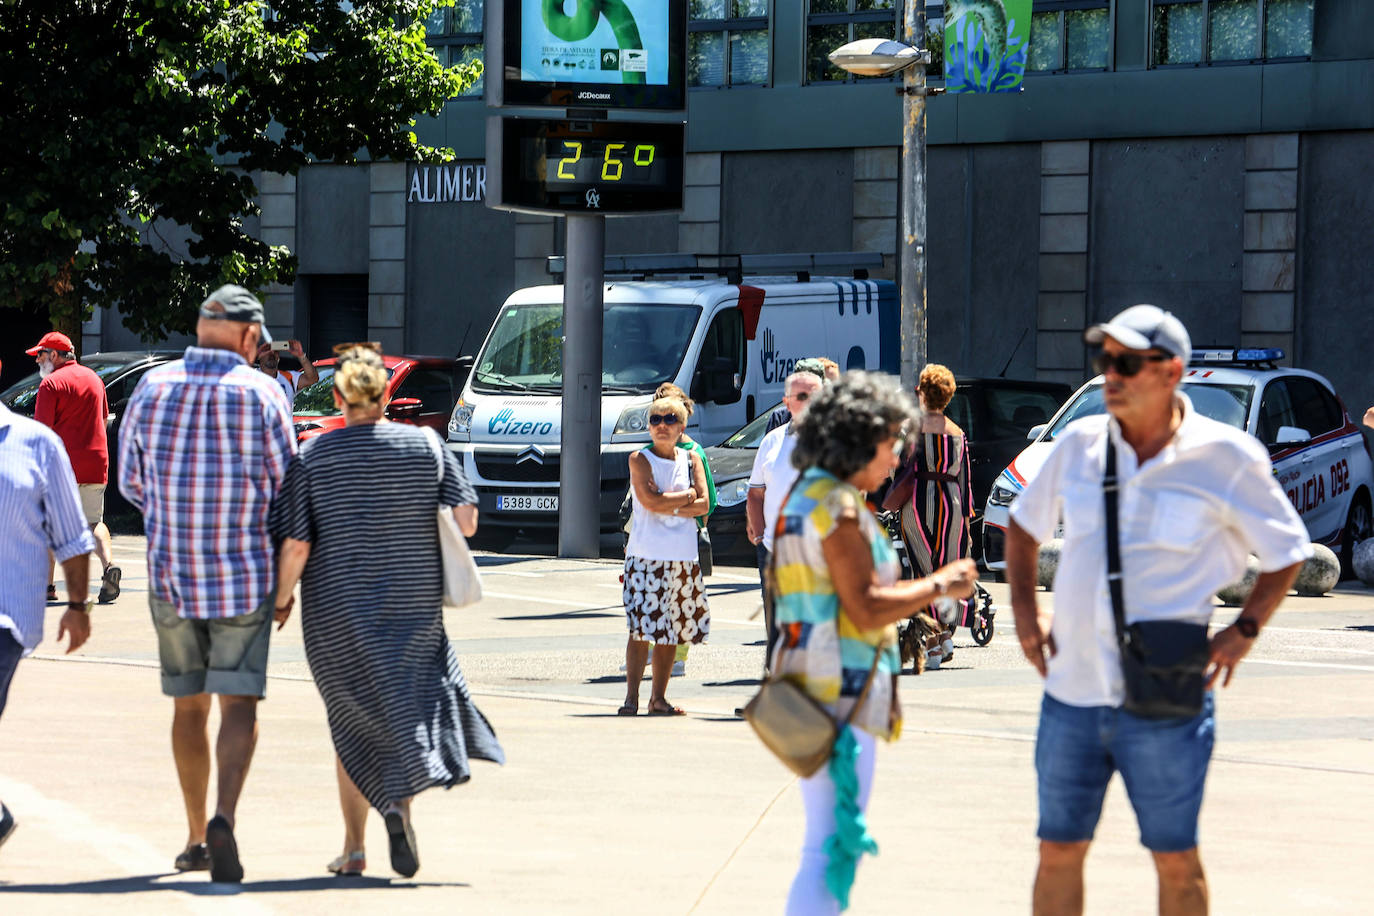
{"type": "Point", "coordinates": [53, 340]}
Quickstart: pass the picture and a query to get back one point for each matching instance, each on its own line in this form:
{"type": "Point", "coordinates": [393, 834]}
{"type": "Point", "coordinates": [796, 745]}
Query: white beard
{"type": "Point", "coordinates": [45, 370]}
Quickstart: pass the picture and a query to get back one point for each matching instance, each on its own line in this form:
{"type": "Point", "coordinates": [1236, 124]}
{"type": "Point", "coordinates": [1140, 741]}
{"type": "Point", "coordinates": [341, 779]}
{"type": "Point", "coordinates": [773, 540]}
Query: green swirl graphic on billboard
{"type": "Point", "coordinates": [601, 41]}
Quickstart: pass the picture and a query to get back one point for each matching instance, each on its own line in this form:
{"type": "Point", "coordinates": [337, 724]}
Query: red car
{"type": "Point", "coordinates": [421, 389]}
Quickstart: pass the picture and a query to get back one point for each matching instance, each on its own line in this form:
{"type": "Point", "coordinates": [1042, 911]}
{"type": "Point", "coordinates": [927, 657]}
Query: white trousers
{"type": "Point", "coordinates": [809, 895]}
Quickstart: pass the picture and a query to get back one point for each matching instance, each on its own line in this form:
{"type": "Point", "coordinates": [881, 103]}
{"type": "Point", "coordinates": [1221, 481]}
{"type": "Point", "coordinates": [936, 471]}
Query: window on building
{"type": "Point", "coordinates": [1216, 31]}
{"type": "Point", "coordinates": [832, 23]}
{"type": "Point", "coordinates": [727, 43]}
{"type": "Point", "coordinates": [455, 35]}
{"type": "Point", "coordinates": [1069, 35]}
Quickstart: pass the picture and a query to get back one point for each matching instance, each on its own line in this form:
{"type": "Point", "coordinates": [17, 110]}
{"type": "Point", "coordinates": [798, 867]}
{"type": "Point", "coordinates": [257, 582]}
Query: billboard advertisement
{"type": "Point", "coordinates": [986, 43]}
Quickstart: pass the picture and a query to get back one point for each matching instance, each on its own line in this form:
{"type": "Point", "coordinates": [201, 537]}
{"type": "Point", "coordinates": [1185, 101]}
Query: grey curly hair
{"type": "Point", "coordinates": [844, 423]}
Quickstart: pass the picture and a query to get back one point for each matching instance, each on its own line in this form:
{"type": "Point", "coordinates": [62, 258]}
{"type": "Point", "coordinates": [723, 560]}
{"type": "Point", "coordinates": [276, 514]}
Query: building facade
{"type": "Point", "coordinates": [1210, 156]}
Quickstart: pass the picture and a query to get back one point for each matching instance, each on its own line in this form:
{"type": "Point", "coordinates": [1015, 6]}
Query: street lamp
{"type": "Point", "coordinates": [880, 57]}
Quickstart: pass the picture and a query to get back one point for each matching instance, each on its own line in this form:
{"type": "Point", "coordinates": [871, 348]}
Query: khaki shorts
{"type": "Point", "coordinates": [92, 502]}
{"type": "Point", "coordinates": [226, 655]}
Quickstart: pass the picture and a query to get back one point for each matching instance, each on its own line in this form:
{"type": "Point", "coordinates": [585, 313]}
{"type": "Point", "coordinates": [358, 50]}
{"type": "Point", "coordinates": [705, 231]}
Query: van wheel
{"type": "Point", "coordinates": [1359, 525]}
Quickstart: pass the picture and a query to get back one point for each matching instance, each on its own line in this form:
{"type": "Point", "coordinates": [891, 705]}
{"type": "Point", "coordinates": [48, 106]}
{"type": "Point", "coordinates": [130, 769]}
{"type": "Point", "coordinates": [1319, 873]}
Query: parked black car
{"type": "Point", "coordinates": [995, 413]}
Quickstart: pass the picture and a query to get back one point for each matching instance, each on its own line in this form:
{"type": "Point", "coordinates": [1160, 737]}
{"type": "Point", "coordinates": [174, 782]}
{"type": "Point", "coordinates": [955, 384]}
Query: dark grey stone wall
{"type": "Point", "coordinates": [1335, 288]}
{"type": "Point", "coordinates": [332, 219]}
{"type": "Point", "coordinates": [639, 234]}
{"type": "Point", "coordinates": [461, 267]}
{"type": "Point", "coordinates": [983, 210]}
{"type": "Point", "coordinates": [787, 201]}
{"type": "Point", "coordinates": [1167, 227]}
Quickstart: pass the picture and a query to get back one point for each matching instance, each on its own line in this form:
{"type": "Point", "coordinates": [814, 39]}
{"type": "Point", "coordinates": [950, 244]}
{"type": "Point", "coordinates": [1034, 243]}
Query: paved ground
{"type": "Point", "coordinates": [597, 814]}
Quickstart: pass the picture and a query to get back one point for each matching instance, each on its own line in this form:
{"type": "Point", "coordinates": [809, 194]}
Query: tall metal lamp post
{"type": "Point", "coordinates": [880, 57]}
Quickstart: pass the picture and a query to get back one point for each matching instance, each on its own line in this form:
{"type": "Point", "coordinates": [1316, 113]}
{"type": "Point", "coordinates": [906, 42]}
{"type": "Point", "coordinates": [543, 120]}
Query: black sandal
{"type": "Point", "coordinates": [405, 858]}
{"type": "Point", "coordinates": [195, 857]}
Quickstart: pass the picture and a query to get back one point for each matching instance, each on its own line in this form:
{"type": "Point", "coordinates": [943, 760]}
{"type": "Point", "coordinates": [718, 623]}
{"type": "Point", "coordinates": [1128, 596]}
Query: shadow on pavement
{"type": "Point", "coordinates": [566, 615]}
{"type": "Point", "coordinates": [141, 884]}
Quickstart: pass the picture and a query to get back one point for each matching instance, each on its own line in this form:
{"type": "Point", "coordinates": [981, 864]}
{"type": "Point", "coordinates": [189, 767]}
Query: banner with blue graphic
{"type": "Point", "coordinates": [985, 44]}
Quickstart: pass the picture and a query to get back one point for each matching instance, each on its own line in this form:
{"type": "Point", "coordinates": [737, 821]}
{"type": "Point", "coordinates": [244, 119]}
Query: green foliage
{"type": "Point", "coordinates": [130, 129]}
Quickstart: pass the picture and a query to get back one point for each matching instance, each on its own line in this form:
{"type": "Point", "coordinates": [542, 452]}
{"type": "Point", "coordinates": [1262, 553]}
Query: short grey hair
{"type": "Point", "coordinates": [797, 377]}
{"type": "Point", "coordinates": [844, 423]}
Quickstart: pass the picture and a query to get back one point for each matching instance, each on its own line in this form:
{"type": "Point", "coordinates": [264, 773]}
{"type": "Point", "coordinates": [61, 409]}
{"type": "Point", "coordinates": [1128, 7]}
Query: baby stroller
{"type": "Point", "coordinates": [977, 614]}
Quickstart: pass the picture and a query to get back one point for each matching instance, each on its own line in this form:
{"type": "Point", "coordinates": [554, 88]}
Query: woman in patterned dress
{"type": "Point", "coordinates": [356, 515]}
{"type": "Point", "coordinates": [838, 598]}
{"type": "Point", "coordinates": [935, 523]}
{"type": "Point", "coordinates": [665, 598]}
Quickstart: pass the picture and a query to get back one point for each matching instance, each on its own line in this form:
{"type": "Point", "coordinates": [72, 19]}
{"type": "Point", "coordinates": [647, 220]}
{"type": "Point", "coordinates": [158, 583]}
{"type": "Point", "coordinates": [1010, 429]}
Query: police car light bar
{"type": "Point", "coordinates": [1237, 355]}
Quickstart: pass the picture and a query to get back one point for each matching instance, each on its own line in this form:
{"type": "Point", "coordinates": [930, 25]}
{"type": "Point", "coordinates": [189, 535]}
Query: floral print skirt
{"type": "Point", "coordinates": [665, 601]}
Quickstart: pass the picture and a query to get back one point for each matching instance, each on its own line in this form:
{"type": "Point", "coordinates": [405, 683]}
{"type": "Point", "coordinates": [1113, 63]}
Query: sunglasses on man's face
{"type": "Point", "coordinates": [1126, 364]}
{"type": "Point", "coordinates": [667, 419]}
{"type": "Point", "coordinates": [801, 396]}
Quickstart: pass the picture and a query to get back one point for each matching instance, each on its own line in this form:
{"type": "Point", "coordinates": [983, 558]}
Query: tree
{"type": "Point", "coordinates": [130, 131]}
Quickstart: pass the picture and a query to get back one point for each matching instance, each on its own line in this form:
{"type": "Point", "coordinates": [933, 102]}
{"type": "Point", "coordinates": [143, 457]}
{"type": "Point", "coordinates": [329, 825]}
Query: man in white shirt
{"type": "Point", "coordinates": [1195, 498]}
{"type": "Point", "coordinates": [270, 362]}
{"type": "Point", "coordinates": [773, 475]}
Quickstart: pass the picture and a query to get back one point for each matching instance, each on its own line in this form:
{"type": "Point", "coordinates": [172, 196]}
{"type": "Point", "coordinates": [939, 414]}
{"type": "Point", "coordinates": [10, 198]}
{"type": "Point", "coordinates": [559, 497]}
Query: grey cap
{"type": "Point", "coordinates": [1144, 327]}
{"type": "Point", "coordinates": [234, 303]}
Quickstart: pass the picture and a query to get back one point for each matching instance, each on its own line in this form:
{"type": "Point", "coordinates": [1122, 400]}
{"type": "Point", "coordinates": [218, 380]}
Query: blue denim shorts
{"type": "Point", "coordinates": [10, 654]}
{"type": "Point", "coordinates": [226, 655]}
{"type": "Point", "coordinates": [1163, 763]}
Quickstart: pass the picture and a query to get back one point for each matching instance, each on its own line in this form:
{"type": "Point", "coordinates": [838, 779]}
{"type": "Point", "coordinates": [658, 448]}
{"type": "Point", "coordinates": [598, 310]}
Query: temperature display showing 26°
{"type": "Point", "coordinates": [589, 166]}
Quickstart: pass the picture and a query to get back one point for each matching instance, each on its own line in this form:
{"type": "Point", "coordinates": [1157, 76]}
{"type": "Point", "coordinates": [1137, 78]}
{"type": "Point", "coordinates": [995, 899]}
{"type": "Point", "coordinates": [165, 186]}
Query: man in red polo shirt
{"type": "Point", "coordinates": [71, 399]}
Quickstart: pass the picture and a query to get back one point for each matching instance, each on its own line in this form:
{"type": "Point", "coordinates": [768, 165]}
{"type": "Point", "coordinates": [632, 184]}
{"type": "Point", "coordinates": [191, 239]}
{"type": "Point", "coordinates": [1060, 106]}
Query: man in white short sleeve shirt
{"type": "Point", "coordinates": [1195, 498]}
{"type": "Point", "coordinates": [773, 474]}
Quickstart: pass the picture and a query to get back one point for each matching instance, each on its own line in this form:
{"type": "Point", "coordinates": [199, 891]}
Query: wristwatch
{"type": "Point", "coordinates": [82, 606]}
{"type": "Point", "coordinates": [1247, 627]}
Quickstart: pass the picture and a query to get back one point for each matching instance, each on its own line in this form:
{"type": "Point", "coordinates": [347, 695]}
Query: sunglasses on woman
{"type": "Point", "coordinates": [667, 419]}
{"type": "Point", "coordinates": [1126, 364]}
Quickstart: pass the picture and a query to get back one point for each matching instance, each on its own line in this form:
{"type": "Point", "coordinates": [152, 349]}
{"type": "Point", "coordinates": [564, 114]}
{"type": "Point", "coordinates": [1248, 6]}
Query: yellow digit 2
{"type": "Point", "coordinates": [569, 160]}
{"type": "Point", "coordinates": [648, 151]}
{"type": "Point", "coordinates": [610, 162]}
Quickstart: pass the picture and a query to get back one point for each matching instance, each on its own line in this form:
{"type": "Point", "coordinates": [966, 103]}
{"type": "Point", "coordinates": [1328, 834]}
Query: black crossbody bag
{"type": "Point", "coordinates": [1162, 660]}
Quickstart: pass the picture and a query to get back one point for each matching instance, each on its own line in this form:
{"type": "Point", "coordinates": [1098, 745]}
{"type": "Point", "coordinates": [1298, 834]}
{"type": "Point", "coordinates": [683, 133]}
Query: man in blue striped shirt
{"type": "Point", "coordinates": [40, 511]}
{"type": "Point", "coordinates": [204, 447]}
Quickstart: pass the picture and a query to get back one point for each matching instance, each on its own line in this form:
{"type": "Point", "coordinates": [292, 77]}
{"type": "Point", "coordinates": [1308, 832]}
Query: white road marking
{"type": "Point", "coordinates": [1368, 669]}
{"type": "Point", "coordinates": [734, 577]}
{"type": "Point", "coordinates": [508, 572]}
{"type": "Point", "coordinates": [125, 851]}
{"type": "Point", "coordinates": [537, 599]}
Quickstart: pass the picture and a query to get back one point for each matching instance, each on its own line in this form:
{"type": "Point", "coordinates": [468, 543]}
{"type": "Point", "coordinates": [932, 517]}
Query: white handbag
{"type": "Point", "coordinates": [462, 581]}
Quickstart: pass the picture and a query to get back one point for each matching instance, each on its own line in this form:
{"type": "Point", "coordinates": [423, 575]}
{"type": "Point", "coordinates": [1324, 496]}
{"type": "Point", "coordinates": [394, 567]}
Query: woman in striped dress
{"type": "Point", "coordinates": [935, 524]}
{"type": "Point", "coordinates": [356, 514]}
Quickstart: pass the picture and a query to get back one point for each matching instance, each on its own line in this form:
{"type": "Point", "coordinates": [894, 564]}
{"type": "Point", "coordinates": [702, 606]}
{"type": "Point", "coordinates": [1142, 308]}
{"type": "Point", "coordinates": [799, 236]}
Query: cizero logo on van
{"type": "Point", "coordinates": [504, 424]}
{"type": "Point", "coordinates": [776, 368]}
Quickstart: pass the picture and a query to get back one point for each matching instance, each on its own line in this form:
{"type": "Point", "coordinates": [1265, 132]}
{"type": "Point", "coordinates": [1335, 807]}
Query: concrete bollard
{"type": "Point", "coordinates": [1363, 561]}
{"type": "Point", "coordinates": [1319, 573]}
{"type": "Point", "coordinates": [1234, 595]}
{"type": "Point", "coordinates": [1049, 563]}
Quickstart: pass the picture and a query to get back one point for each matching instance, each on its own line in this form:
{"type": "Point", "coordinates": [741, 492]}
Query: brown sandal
{"type": "Point", "coordinates": [666, 710]}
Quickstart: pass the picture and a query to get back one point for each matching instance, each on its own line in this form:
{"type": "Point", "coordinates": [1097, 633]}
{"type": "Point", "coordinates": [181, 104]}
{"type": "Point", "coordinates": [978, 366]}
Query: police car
{"type": "Point", "coordinates": [1319, 454]}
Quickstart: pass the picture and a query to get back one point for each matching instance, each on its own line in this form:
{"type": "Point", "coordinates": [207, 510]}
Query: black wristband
{"type": "Point", "coordinates": [79, 606]}
{"type": "Point", "coordinates": [1247, 626]}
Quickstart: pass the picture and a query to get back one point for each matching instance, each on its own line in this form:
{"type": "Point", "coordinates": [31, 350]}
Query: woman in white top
{"type": "Point", "coordinates": [664, 596]}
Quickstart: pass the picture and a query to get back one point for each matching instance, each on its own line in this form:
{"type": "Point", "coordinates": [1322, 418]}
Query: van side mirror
{"type": "Point", "coordinates": [406, 410]}
{"type": "Point", "coordinates": [716, 380]}
{"type": "Point", "coordinates": [1291, 435]}
{"type": "Point", "coordinates": [1035, 431]}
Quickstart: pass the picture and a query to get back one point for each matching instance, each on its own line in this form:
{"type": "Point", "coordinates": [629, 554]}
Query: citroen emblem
{"type": "Point", "coordinates": [533, 453]}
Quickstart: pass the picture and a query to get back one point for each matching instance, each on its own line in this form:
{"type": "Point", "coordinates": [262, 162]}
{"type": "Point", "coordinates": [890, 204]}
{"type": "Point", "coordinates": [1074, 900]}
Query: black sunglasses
{"type": "Point", "coordinates": [667, 419]}
{"type": "Point", "coordinates": [802, 396]}
{"type": "Point", "coordinates": [1126, 364]}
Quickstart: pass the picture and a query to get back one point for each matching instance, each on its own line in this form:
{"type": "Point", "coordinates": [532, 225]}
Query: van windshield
{"type": "Point", "coordinates": [1229, 404]}
{"type": "Point", "coordinates": [642, 347]}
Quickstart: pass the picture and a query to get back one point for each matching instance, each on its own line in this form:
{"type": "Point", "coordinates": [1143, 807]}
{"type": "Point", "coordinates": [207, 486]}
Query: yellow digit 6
{"type": "Point", "coordinates": [570, 160]}
{"type": "Point", "coordinates": [609, 162]}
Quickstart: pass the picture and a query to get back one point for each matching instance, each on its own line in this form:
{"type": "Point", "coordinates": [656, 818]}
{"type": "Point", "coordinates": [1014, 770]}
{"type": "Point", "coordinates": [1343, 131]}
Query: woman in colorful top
{"type": "Point", "coordinates": [935, 523]}
{"type": "Point", "coordinates": [665, 599]}
{"type": "Point", "coordinates": [839, 594]}
{"type": "Point", "coordinates": [686, 442]}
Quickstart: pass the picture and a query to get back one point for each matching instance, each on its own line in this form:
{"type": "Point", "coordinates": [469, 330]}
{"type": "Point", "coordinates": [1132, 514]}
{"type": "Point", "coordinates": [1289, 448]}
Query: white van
{"type": "Point", "coordinates": [729, 345]}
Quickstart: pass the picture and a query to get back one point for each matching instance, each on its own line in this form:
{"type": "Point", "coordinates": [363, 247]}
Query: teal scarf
{"type": "Point", "coordinates": [851, 838]}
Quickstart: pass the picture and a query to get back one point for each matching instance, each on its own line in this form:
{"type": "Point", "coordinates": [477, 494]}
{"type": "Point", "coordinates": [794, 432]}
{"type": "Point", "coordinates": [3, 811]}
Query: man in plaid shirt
{"type": "Point", "coordinates": [204, 446]}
